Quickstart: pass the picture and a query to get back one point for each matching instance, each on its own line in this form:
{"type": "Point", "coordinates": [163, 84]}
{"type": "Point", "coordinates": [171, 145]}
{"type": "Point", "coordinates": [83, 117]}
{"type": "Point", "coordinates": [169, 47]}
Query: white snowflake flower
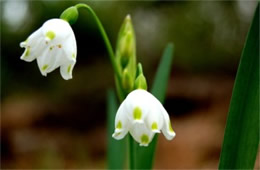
{"type": "Point", "coordinates": [53, 45]}
{"type": "Point", "coordinates": [142, 115]}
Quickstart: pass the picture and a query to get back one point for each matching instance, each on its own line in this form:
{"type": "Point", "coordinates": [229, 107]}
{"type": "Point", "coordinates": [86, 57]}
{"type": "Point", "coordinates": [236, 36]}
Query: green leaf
{"type": "Point", "coordinates": [116, 150]}
{"type": "Point", "coordinates": [241, 137]}
{"type": "Point", "coordinates": [163, 73]}
{"type": "Point", "coordinates": [145, 155]}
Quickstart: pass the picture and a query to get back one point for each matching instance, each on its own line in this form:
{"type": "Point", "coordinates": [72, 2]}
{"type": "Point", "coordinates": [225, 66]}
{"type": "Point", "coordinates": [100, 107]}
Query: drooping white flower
{"type": "Point", "coordinates": [53, 45]}
{"type": "Point", "coordinates": [142, 115]}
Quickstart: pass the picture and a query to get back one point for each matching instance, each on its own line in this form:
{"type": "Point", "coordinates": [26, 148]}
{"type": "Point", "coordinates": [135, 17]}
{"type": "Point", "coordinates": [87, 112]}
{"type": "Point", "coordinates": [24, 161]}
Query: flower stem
{"type": "Point", "coordinates": [131, 153]}
{"type": "Point", "coordinates": [121, 92]}
{"type": "Point", "coordinates": [107, 44]}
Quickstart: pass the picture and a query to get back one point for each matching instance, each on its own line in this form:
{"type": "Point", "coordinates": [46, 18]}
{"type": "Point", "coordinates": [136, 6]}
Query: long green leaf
{"type": "Point", "coordinates": [163, 73]}
{"type": "Point", "coordinates": [241, 137]}
{"type": "Point", "coordinates": [116, 150]}
{"type": "Point", "coordinates": [145, 155]}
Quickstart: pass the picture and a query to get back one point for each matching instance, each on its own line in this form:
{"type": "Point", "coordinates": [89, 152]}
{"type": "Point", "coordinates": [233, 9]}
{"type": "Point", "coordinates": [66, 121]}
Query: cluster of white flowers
{"type": "Point", "coordinates": [53, 45]}
{"type": "Point", "coordinates": [142, 115]}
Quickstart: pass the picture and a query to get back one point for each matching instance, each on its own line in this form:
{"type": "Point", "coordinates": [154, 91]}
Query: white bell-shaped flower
{"type": "Point", "coordinates": [142, 115]}
{"type": "Point", "coordinates": [53, 45]}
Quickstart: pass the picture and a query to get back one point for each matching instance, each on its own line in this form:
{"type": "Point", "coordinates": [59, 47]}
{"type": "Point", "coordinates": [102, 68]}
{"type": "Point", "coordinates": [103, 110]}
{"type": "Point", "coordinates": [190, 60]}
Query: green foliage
{"type": "Point", "coordinates": [241, 138]}
{"type": "Point", "coordinates": [145, 155]}
{"type": "Point", "coordinates": [116, 150]}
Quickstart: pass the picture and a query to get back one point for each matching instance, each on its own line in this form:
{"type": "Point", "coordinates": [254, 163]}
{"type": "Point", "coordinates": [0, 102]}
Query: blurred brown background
{"type": "Point", "coordinates": [47, 122]}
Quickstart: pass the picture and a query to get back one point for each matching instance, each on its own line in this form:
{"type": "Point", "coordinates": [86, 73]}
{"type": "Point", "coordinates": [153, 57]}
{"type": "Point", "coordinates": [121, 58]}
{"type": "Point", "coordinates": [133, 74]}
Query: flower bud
{"type": "Point", "coordinates": [140, 81]}
{"type": "Point", "coordinates": [126, 49]}
{"type": "Point", "coordinates": [70, 14]}
{"type": "Point", "coordinates": [126, 54]}
{"type": "Point", "coordinates": [127, 80]}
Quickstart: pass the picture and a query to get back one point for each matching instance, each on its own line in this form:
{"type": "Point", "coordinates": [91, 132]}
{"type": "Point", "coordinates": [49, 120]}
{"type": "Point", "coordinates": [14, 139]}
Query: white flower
{"type": "Point", "coordinates": [53, 45]}
{"type": "Point", "coordinates": [142, 115]}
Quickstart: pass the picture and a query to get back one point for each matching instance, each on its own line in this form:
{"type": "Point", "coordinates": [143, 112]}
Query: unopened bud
{"type": "Point", "coordinates": [127, 80]}
{"type": "Point", "coordinates": [126, 49]}
{"type": "Point", "coordinates": [140, 81]}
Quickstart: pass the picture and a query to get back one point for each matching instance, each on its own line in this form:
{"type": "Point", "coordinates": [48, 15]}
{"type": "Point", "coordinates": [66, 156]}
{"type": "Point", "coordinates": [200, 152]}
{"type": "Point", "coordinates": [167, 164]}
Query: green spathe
{"type": "Point", "coordinates": [70, 14]}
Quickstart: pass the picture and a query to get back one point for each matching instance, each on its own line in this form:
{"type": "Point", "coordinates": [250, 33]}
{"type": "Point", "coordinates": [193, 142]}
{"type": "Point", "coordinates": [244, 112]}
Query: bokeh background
{"type": "Point", "coordinates": [47, 122]}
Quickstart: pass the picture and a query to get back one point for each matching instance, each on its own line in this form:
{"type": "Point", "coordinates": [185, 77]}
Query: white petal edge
{"type": "Point", "coordinates": [167, 128]}
{"type": "Point", "coordinates": [31, 45]}
{"type": "Point", "coordinates": [66, 70]}
{"type": "Point", "coordinates": [121, 122]}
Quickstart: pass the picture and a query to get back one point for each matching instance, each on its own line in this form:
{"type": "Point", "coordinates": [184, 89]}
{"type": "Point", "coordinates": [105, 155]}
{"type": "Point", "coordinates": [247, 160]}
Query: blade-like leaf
{"type": "Point", "coordinates": [116, 150]}
{"type": "Point", "coordinates": [241, 137]}
{"type": "Point", "coordinates": [145, 155]}
{"type": "Point", "coordinates": [162, 75]}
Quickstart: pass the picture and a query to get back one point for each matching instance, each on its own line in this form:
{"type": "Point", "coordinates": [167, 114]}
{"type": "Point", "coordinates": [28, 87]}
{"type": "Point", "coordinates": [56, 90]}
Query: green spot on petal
{"type": "Point", "coordinates": [137, 113]}
{"type": "Point", "coordinates": [144, 139]}
{"type": "Point", "coordinates": [27, 52]}
{"type": "Point", "coordinates": [170, 127]}
{"type": "Point", "coordinates": [44, 67]}
{"type": "Point", "coordinates": [154, 126]}
{"type": "Point", "coordinates": [50, 35]}
{"type": "Point", "coordinates": [119, 125]}
{"type": "Point", "coordinates": [69, 68]}
{"type": "Point", "coordinates": [73, 55]}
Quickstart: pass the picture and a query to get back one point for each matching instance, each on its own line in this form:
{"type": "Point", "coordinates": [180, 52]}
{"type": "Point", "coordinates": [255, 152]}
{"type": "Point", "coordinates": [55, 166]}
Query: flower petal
{"type": "Point", "coordinates": [121, 123]}
{"type": "Point", "coordinates": [49, 60]}
{"type": "Point", "coordinates": [54, 58]}
{"type": "Point", "coordinates": [56, 30]}
{"type": "Point", "coordinates": [141, 134]}
{"type": "Point", "coordinates": [43, 62]}
{"type": "Point", "coordinates": [66, 69]}
{"type": "Point", "coordinates": [137, 105]}
{"type": "Point", "coordinates": [70, 47]}
{"type": "Point", "coordinates": [154, 119]}
{"type": "Point", "coordinates": [167, 128]}
{"type": "Point", "coordinates": [32, 45]}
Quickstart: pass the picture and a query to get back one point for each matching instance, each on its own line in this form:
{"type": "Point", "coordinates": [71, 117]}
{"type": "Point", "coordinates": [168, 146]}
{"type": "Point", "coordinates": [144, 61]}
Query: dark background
{"type": "Point", "coordinates": [47, 122]}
